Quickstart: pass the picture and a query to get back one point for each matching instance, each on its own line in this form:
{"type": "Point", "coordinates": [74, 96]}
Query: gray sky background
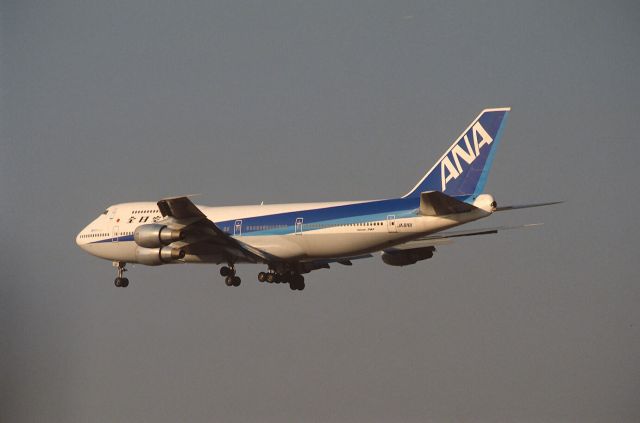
{"type": "Point", "coordinates": [107, 102]}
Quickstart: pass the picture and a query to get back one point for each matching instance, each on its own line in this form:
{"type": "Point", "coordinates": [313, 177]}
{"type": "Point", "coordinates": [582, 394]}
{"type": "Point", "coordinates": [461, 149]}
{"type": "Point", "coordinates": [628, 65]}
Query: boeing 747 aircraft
{"type": "Point", "coordinates": [295, 239]}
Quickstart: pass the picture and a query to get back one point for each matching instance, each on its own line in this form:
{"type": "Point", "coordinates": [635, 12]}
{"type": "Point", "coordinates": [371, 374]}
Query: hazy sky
{"type": "Point", "coordinates": [243, 102]}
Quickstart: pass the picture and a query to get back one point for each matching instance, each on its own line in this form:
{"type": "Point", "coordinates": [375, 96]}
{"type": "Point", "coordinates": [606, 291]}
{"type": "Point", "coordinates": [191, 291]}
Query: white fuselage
{"type": "Point", "coordinates": [289, 232]}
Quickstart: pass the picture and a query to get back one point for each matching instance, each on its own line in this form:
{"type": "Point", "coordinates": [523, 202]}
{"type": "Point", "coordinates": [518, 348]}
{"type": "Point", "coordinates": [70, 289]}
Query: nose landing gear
{"type": "Point", "coordinates": [120, 281]}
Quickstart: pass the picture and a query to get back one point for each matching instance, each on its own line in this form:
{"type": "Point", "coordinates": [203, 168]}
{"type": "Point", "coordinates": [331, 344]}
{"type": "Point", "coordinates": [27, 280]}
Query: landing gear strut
{"type": "Point", "coordinates": [120, 281]}
{"type": "Point", "coordinates": [229, 273]}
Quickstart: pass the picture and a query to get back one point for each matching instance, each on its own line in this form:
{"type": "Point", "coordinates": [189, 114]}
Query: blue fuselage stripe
{"type": "Point", "coordinates": [284, 223]}
{"type": "Point", "coordinates": [314, 219]}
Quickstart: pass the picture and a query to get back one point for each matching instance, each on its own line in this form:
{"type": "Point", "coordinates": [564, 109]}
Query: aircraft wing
{"type": "Point", "coordinates": [447, 237]}
{"type": "Point", "coordinates": [179, 208]}
{"type": "Point", "coordinates": [203, 236]}
{"type": "Point", "coordinates": [424, 244]}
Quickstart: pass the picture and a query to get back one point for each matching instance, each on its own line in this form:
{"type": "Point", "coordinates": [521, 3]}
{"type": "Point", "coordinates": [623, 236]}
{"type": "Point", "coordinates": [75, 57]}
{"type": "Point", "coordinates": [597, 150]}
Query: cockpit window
{"type": "Point", "coordinates": [105, 212]}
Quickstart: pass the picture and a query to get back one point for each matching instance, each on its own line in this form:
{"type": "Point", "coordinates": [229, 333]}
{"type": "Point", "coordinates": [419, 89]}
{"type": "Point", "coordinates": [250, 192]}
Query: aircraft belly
{"type": "Point", "coordinates": [286, 247]}
{"type": "Point", "coordinates": [316, 245]}
{"type": "Point", "coordinates": [116, 251]}
{"type": "Point", "coordinates": [211, 258]}
{"type": "Point", "coordinates": [346, 244]}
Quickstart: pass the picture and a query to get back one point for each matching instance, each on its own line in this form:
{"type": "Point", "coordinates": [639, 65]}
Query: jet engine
{"type": "Point", "coordinates": [157, 256]}
{"type": "Point", "coordinates": [407, 257]}
{"type": "Point", "coordinates": [155, 235]}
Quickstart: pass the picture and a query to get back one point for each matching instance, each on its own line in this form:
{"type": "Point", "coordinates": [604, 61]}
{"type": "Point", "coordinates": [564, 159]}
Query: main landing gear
{"type": "Point", "coordinates": [229, 273]}
{"type": "Point", "coordinates": [295, 280]}
{"type": "Point", "coordinates": [120, 281]}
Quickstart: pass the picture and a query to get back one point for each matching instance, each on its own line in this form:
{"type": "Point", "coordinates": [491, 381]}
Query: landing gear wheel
{"type": "Point", "coordinates": [262, 276]}
{"type": "Point", "coordinates": [225, 271]}
{"type": "Point", "coordinates": [229, 280]}
{"type": "Point", "coordinates": [297, 282]}
{"type": "Point", "coordinates": [120, 281]}
{"type": "Point", "coordinates": [271, 277]}
{"type": "Point", "coordinates": [236, 281]}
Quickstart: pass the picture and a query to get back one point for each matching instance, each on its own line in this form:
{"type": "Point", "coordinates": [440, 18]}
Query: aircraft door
{"type": "Point", "coordinates": [299, 221]}
{"type": "Point", "coordinates": [114, 234]}
{"type": "Point", "coordinates": [237, 228]}
{"type": "Point", "coordinates": [391, 224]}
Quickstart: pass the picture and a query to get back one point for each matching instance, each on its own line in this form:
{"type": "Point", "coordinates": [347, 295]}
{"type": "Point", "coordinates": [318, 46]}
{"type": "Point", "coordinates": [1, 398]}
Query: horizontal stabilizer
{"type": "Point", "coordinates": [435, 203]}
{"type": "Point", "coordinates": [526, 206]}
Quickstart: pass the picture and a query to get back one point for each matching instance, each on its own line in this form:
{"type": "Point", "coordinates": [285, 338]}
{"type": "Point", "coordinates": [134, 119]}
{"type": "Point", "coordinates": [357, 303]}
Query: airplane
{"type": "Point", "coordinates": [295, 239]}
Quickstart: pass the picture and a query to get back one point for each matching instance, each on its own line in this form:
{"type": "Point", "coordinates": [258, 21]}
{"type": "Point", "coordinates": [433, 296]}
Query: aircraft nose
{"type": "Point", "coordinates": [80, 238]}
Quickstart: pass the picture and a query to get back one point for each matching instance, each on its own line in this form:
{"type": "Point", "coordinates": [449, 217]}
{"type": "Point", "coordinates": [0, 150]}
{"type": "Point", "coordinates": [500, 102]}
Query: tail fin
{"type": "Point", "coordinates": [463, 169]}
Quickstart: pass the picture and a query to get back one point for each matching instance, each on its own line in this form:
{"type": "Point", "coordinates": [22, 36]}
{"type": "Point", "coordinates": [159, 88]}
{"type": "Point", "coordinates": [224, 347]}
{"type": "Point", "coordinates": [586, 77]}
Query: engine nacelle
{"type": "Point", "coordinates": [486, 202]}
{"type": "Point", "coordinates": [157, 256]}
{"type": "Point", "coordinates": [154, 235]}
{"type": "Point", "coordinates": [407, 257]}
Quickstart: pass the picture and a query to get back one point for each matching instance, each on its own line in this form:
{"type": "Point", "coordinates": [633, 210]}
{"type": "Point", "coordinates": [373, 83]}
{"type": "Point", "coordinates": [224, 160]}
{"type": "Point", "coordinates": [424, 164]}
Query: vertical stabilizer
{"type": "Point", "coordinates": [463, 169]}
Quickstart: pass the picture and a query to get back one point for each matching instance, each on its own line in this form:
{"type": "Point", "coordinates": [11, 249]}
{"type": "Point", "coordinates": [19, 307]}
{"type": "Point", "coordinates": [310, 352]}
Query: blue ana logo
{"type": "Point", "coordinates": [450, 167]}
